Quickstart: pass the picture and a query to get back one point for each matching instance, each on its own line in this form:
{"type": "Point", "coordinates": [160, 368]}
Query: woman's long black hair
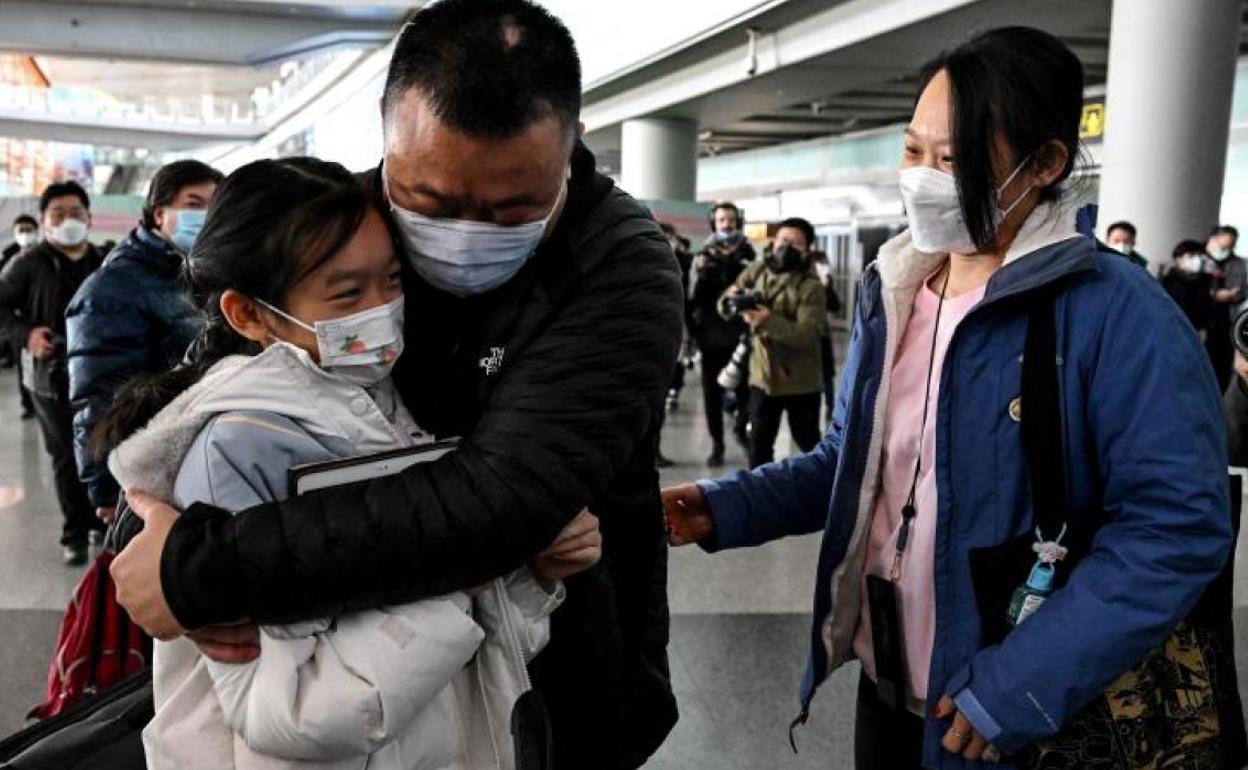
{"type": "Point", "coordinates": [1017, 81]}
{"type": "Point", "coordinates": [270, 223]}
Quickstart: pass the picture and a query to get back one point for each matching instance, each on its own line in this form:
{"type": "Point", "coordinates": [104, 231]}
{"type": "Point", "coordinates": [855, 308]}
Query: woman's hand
{"type": "Point", "coordinates": [962, 738]}
{"type": "Point", "coordinates": [578, 547]}
{"type": "Point", "coordinates": [688, 516]}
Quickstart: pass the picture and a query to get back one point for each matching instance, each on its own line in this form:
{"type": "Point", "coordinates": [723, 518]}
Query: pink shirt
{"type": "Point", "coordinates": [916, 595]}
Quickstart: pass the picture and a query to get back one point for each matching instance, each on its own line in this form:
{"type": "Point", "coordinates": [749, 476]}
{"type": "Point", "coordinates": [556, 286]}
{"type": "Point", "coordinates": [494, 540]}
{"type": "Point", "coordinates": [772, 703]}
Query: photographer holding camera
{"type": "Point", "coordinates": [715, 268]}
{"type": "Point", "coordinates": [782, 301]}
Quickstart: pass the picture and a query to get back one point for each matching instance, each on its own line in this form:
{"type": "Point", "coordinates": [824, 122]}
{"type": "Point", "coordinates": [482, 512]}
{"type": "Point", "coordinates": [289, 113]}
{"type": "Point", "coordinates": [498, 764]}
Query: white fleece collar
{"type": "Point", "coordinates": [282, 380]}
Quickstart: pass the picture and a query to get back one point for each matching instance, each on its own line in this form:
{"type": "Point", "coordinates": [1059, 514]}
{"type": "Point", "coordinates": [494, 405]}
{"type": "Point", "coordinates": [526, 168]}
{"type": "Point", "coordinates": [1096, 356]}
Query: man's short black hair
{"type": "Point", "coordinates": [797, 223]}
{"type": "Point", "coordinates": [170, 180]}
{"type": "Point", "coordinates": [26, 219]}
{"type": "Point", "coordinates": [60, 190]}
{"type": "Point", "coordinates": [1188, 246]}
{"type": "Point", "coordinates": [1124, 225]}
{"type": "Point", "coordinates": [489, 68]}
{"type": "Point", "coordinates": [1225, 230]}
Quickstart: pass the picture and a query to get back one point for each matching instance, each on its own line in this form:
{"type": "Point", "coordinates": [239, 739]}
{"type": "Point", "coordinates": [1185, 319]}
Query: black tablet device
{"type": "Point", "coordinates": [332, 473]}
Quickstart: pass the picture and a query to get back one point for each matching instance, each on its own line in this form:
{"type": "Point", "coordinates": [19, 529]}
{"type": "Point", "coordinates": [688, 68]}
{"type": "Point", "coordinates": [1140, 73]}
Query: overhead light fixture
{"type": "Point", "coordinates": [752, 53]}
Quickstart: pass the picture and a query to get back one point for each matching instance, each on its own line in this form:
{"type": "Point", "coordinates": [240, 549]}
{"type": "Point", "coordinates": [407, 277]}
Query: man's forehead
{"type": "Point", "coordinates": [477, 171]}
{"type": "Point", "coordinates": [65, 202]}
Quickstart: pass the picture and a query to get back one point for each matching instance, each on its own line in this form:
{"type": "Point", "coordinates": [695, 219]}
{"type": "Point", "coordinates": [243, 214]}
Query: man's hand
{"type": "Point", "coordinates": [578, 547]}
{"type": "Point", "coordinates": [233, 643]}
{"type": "Point", "coordinates": [701, 262]}
{"type": "Point", "coordinates": [688, 516]}
{"type": "Point", "coordinates": [136, 570]}
{"type": "Point", "coordinates": [757, 317]}
{"type": "Point", "coordinates": [962, 737]}
{"type": "Point", "coordinates": [1241, 366]}
{"type": "Point", "coordinates": [39, 343]}
{"type": "Point", "coordinates": [106, 513]}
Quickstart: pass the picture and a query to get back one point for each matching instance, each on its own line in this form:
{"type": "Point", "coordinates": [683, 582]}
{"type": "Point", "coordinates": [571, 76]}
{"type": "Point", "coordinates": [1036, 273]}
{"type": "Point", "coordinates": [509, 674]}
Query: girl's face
{"type": "Point", "coordinates": [363, 275]}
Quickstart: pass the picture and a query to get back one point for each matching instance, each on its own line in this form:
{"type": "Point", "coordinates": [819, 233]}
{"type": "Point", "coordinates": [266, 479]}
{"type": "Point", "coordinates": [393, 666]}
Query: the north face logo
{"type": "Point", "coordinates": [493, 362]}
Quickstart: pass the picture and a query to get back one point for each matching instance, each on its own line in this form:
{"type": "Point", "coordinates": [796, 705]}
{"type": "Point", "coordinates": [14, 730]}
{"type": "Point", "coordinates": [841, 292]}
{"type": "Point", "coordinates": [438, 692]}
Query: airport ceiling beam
{"type": "Point", "coordinates": [759, 54]}
{"type": "Point", "coordinates": [185, 34]}
{"type": "Point", "coordinates": [110, 133]}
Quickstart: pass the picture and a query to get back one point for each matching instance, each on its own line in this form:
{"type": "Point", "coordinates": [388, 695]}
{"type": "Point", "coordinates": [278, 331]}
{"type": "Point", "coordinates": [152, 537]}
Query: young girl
{"type": "Point", "coordinates": [297, 276]}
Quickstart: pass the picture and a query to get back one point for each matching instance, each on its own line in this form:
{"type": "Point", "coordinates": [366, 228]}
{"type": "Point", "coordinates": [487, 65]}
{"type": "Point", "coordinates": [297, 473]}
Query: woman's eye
{"type": "Point", "coordinates": [396, 276]}
{"type": "Point", "coordinates": [345, 295]}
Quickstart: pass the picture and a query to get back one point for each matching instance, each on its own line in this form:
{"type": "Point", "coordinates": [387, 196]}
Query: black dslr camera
{"type": "Point", "coordinates": [747, 299]}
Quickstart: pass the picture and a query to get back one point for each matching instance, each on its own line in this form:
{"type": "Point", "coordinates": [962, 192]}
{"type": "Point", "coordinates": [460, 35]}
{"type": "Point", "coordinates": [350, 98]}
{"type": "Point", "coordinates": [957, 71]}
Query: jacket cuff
{"type": "Point", "coordinates": [534, 601]}
{"type": "Point", "coordinates": [103, 492]}
{"type": "Point", "coordinates": [980, 719]}
{"type": "Point", "coordinates": [197, 573]}
{"type": "Point", "coordinates": [728, 513]}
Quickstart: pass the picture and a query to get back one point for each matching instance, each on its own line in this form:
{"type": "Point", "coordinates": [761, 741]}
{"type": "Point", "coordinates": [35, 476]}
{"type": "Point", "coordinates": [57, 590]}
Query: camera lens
{"type": "Point", "coordinates": [1239, 333]}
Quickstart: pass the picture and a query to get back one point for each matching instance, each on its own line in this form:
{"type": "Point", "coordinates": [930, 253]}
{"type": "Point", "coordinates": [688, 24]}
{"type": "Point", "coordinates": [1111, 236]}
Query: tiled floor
{"type": "Point", "coordinates": [739, 625]}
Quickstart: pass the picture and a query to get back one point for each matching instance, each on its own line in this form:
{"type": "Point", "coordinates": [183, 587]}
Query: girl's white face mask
{"type": "Point", "coordinates": [360, 348]}
{"type": "Point", "coordinates": [934, 214]}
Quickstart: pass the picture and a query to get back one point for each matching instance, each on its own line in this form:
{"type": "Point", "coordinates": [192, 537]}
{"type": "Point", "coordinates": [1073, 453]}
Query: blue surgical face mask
{"type": "Point", "coordinates": [729, 237]}
{"type": "Point", "coordinates": [462, 257]}
{"type": "Point", "coordinates": [190, 223]}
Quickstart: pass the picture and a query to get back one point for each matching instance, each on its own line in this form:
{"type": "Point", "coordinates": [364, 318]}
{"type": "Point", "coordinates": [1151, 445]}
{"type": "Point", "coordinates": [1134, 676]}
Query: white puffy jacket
{"type": "Point", "coordinates": [427, 685]}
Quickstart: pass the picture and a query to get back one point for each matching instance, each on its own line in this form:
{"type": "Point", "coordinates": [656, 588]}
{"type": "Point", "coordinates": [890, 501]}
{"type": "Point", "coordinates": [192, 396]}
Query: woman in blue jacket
{"type": "Point", "coordinates": [924, 461]}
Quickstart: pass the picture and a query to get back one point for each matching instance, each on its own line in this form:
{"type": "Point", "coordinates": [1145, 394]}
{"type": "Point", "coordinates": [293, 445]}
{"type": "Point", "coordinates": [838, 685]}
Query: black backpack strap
{"type": "Point", "coordinates": [1042, 417]}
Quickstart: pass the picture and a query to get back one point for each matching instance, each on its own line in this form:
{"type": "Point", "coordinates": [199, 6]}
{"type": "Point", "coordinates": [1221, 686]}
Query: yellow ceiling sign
{"type": "Point", "coordinates": [756, 231]}
{"type": "Point", "coordinates": [1092, 124]}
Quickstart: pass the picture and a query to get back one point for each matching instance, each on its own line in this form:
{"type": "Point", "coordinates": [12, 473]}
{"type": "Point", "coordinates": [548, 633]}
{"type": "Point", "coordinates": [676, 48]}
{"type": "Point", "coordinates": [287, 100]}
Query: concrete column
{"type": "Point", "coordinates": [659, 158]}
{"type": "Point", "coordinates": [1167, 118]}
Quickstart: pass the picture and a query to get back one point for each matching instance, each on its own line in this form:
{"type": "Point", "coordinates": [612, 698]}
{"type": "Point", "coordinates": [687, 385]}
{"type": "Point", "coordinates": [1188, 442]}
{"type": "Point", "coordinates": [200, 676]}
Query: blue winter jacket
{"type": "Point", "coordinates": [1145, 444]}
{"type": "Point", "coordinates": [132, 316]}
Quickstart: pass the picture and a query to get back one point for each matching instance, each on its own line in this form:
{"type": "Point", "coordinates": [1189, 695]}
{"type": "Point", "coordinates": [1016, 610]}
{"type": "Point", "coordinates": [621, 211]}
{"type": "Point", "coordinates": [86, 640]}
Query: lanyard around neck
{"type": "Point", "coordinates": [909, 511]}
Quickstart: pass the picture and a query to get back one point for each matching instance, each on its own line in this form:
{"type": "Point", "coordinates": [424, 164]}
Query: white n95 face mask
{"type": "Point", "coordinates": [360, 348]}
{"type": "Point", "coordinates": [70, 232]}
{"type": "Point", "coordinates": [933, 211]}
{"type": "Point", "coordinates": [462, 257]}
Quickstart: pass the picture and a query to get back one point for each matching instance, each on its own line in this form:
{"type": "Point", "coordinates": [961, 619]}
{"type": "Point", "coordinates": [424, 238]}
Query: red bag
{"type": "Point", "coordinates": [98, 645]}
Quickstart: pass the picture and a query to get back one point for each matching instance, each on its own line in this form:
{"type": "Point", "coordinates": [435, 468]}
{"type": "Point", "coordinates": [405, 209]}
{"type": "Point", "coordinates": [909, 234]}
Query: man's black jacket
{"type": "Point", "coordinates": [35, 288]}
{"type": "Point", "coordinates": [719, 271]}
{"type": "Point", "coordinates": [556, 384]}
